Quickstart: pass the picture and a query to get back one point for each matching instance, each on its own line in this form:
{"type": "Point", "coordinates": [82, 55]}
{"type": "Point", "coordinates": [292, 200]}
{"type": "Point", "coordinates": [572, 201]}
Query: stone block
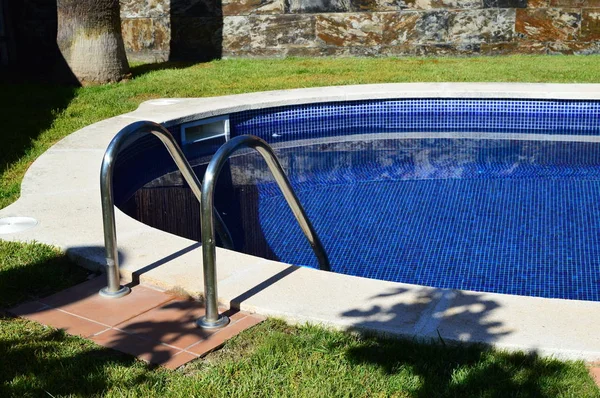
{"type": "Point", "coordinates": [590, 24]}
{"type": "Point", "coordinates": [569, 3]}
{"type": "Point", "coordinates": [538, 3]}
{"type": "Point", "coordinates": [476, 26]}
{"type": "Point", "coordinates": [280, 52]}
{"type": "Point", "coordinates": [521, 47]}
{"type": "Point", "coordinates": [137, 33]}
{"type": "Point", "coordinates": [399, 28]}
{"type": "Point", "coordinates": [348, 30]}
{"type": "Point", "coordinates": [432, 27]}
{"type": "Point", "coordinates": [437, 50]}
{"type": "Point", "coordinates": [142, 34]}
{"type": "Point", "coordinates": [415, 27]}
{"type": "Point", "coordinates": [195, 8]}
{"type": "Point", "coordinates": [548, 24]}
{"type": "Point", "coordinates": [148, 57]}
{"type": "Point", "coordinates": [572, 47]}
{"type": "Point", "coordinates": [402, 50]}
{"type": "Point", "coordinates": [504, 3]}
{"type": "Point", "coordinates": [250, 7]}
{"type": "Point", "coordinates": [236, 34]}
{"type": "Point", "coordinates": [589, 49]}
{"type": "Point", "coordinates": [145, 8]}
{"type": "Point", "coordinates": [365, 51]}
{"type": "Point", "coordinates": [375, 5]}
{"type": "Point", "coordinates": [435, 4]}
{"type": "Point", "coordinates": [431, 50]}
{"type": "Point", "coordinates": [282, 30]}
{"type": "Point", "coordinates": [318, 52]}
{"type": "Point", "coordinates": [316, 6]}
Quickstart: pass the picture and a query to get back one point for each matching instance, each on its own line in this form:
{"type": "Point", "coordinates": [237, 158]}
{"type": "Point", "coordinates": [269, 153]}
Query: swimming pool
{"type": "Point", "coordinates": [492, 195]}
{"type": "Point", "coordinates": [66, 177]}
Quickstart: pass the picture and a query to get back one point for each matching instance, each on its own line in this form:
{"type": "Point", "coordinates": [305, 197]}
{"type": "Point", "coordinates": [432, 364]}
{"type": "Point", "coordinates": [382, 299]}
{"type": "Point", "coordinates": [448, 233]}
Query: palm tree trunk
{"type": "Point", "coordinates": [89, 38]}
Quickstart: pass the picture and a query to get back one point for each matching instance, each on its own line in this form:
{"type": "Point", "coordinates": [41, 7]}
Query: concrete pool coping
{"type": "Point", "coordinates": [61, 191]}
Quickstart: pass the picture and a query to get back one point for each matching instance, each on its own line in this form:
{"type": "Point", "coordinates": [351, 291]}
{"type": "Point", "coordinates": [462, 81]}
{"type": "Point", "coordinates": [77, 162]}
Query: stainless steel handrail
{"type": "Point", "coordinates": [114, 289]}
{"type": "Point", "coordinates": [212, 319]}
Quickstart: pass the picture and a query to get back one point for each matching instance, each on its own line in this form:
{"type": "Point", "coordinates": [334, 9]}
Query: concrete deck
{"type": "Point", "coordinates": [61, 190]}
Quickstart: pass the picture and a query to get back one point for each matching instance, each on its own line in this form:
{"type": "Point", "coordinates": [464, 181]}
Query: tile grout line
{"type": "Point", "coordinates": [79, 316]}
{"type": "Point", "coordinates": [101, 323]}
{"type": "Point", "coordinates": [139, 337]}
{"type": "Point", "coordinates": [143, 312]}
{"type": "Point", "coordinates": [46, 307]}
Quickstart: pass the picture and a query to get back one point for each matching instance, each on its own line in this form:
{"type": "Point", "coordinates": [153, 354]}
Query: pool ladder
{"type": "Point", "coordinates": [205, 195]}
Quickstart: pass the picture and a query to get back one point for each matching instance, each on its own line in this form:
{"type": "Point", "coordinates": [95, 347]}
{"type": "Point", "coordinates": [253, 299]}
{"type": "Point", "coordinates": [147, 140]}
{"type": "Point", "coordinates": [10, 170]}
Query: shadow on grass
{"type": "Point", "coordinates": [38, 361]}
{"type": "Point", "coordinates": [28, 109]}
{"type": "Point", "coordinates": [29, 271]}
{"type": "Point", "coordinates": [444, 366]}
{"type": "Point", "coordinates": [140, 70]}
{"type": "Point", "coordinates": [403, 342]}
{"type": "Point", "coordinates": [463, 370]}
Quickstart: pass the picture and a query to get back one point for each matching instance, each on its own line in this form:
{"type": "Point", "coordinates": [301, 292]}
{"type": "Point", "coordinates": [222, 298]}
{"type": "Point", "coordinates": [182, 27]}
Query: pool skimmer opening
{"type": "Point", "coordinates": [11, 225]}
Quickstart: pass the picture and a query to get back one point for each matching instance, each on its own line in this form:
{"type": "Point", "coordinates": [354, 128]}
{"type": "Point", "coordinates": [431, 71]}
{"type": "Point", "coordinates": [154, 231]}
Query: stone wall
{"type": "Point", "coordinates": [146, 27]}
{"type": "Point", "coordinates": [274, 28]}
{"type": "Point", "coordinates": [410, 27]}
{"type": "Point", "coordinates": [159, 30]}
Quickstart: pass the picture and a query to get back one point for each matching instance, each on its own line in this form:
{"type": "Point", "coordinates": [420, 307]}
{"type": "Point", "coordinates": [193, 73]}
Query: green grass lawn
{"type": "Point", "coordinates": [272, 359]}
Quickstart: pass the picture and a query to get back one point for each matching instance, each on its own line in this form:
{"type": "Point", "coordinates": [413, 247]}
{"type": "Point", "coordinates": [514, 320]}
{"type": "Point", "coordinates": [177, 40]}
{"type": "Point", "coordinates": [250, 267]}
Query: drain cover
{"type": "Point", "coordinates": [10, 225]}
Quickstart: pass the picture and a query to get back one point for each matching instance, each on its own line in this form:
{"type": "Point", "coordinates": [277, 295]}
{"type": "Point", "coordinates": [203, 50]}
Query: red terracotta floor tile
{"type": "Point", "coordinates": [179, 359]}
{"type": "Point", "coordinates": [69, 323]}
{"type": "Point", "coordinates": [147, 323]}
{"type": "Point", "coordinates": [173, 323]}
{"type": "Point", "coordinates": [220, 336]}
{"type": "Point", "coordinates": [234, 315]}
{"type": "Point", "coordinates": [75, 293]}
{"type": "Point", "coordinates": [147, 350]}
{"type": "Point", "coordinates": [84, 300]}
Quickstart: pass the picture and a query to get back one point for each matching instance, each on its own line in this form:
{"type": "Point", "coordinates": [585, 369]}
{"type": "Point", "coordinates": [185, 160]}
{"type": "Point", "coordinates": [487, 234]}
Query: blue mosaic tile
{"type": "Point", "coordinates": [505, 216]}
{"type": "Point", "coordinates": [412, 115]}
{"type": "Point", "coordinates": [526, 237]}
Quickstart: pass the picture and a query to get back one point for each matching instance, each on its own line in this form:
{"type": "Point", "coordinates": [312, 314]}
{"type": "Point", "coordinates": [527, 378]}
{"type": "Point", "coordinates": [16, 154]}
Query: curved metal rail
{"type": "Point", "coordinates": [212, 318]}
{"type": "Point", "coordinates": [114, 289]}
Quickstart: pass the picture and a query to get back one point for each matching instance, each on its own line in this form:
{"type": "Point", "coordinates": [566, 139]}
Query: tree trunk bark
{"type": "Point", "coordinates": [89, 38]}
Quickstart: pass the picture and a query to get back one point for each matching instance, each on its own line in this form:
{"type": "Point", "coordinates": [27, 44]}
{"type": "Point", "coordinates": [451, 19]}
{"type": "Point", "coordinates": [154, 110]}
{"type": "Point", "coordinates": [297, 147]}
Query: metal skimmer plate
{"type": "Point", "coordinates": [11, 225]}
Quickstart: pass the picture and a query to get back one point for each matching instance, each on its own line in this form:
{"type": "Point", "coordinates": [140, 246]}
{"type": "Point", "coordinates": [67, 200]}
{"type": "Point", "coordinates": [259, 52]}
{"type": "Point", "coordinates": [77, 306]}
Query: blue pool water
{"type": "Point", "coordinates": [488, 195]}
{"type": "Point", "coordinates": [506, 216]}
